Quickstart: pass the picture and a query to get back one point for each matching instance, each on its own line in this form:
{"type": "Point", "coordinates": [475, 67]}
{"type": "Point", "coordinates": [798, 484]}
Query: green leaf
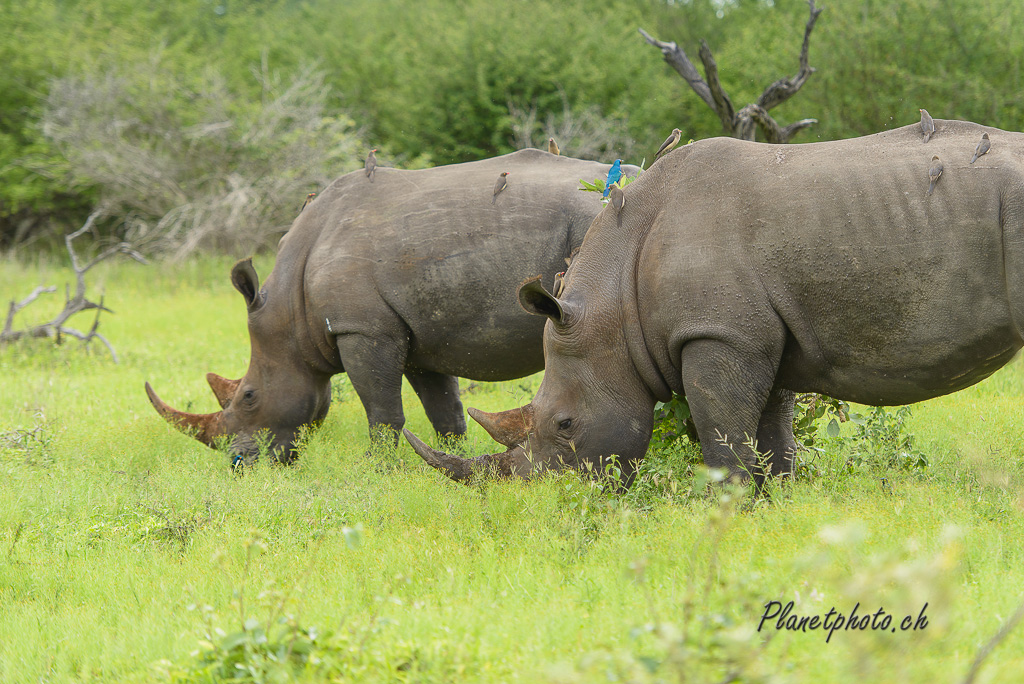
{"type": "Point", "coordinates": [682, 410]}
{"type": "Point", "coordinates": [233, 641]}
{"type": "Point", "coordinates": [832, 428]}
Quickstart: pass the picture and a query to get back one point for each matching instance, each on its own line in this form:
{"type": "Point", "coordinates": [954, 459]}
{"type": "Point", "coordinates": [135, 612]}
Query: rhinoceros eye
{"type": "Point", "coordinates": [565, 424]}
{"type": "Point", "coordinates": [248, 396]}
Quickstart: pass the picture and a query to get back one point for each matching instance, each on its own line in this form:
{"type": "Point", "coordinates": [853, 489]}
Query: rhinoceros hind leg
{"type": "Point", "coordinates": [374, 367]}
{"type": "Point", "coordinates": [775, 432]}
{"type": "Point", "coordinates": [728, 390]}
{"type": "Point", "coordinates": [439, 395]}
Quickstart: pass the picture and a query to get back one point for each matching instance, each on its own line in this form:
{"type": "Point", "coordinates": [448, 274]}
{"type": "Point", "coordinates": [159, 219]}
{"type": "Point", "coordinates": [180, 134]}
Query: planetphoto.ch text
{"type": "Point", "coordinates": [781, 616]}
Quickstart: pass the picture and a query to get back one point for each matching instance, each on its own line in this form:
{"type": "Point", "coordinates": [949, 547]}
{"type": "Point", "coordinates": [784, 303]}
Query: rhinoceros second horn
{"type": "Point", "coordinates": [510, 428]}
{"type": "Point", "coordinates": [223, 388]}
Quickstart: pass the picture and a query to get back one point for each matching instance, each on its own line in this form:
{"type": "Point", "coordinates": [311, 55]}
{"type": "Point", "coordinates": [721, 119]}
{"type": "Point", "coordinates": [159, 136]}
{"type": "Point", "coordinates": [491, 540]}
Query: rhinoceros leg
{"type": "Point", "coordinates": [439, 395]}
{"type": "Point", "coordinates": [775, 432]}
{"type": "Point", "coordinates": [728, 390]}
{"type": "Point", "coordinates": [374, 367]}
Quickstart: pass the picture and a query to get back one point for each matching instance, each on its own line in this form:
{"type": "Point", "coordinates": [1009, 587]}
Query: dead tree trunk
{"type": "Point", "coordinates": [57, 327]}
{"type": "Point", "coordinates": [741, 124]}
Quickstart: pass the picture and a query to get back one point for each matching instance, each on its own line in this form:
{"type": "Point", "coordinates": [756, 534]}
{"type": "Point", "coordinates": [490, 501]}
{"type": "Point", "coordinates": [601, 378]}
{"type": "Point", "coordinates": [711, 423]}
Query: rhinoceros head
{"type": "Point", "coordinates": [590, 407]}
{"type": "Point", "coordinates": [277, 395]}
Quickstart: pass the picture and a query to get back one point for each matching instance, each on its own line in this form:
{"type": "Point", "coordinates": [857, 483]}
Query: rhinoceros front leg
{"type": "Point", "coordinates": [374, 366]}
{"type": "Point", "coordinates": [728, 390]}
{"type": "Point", "coordinates": [439, 395]}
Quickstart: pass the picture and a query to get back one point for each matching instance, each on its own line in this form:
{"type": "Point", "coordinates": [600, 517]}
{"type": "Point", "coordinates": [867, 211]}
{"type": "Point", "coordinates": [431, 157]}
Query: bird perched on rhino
{"type": "Point", "coordinates": [618, 199]}
{"type": "Point", "coordinates": [552, 146]}
{"type": "Point", "coordinates": [934, 172]}
{"type": "Point", "coordinates": [559, 284]}
{"type": "Point", "coordinates": [371, 163]}
{"type": "Point", "coordinates": [614, 174]}
{"type": "Point", "coordinates": [927, 125]}
{"type": "Point", "coordinates": [670, 142]}
{"type": "Point", "coordinates": [309, 198]}
{"type": "Point", "coordinates": [982, 147]}
{"type": "Point", "coordinates": [499, 185]}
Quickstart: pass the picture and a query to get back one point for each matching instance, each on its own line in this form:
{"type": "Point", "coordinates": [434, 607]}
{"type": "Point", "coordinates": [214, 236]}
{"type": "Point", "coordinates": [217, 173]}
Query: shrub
{"type": "Point", "coordinates": [185, 163]}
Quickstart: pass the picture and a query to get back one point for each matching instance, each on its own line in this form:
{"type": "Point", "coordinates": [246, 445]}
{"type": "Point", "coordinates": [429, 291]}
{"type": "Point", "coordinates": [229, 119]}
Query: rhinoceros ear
{"type": "Point", "coordinates": [245, 280]}
{"type": "Point", "coordinates": [536, 300]}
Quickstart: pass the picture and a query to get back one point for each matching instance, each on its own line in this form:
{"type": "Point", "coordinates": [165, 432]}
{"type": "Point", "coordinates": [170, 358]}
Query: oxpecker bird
{"type": "Point", "coordinates": [552, 146]}
{"type": "Point", "coordinates": [934, 172]}
{"type": "Point", "coordinates": [309, 198]}
{"type": "Point", "coordinates": [499, 186]}
{"type": "Point", "coordinates": [559, 284]}
{"type": "Point", "coordinates": [982, 147]}
{"type": "Point", "coordinates": [618, 199]}
{"type": "Point", "coordinates": [670, 142]}
{"type": "Point", "coordinates": [371, 163]}
{"type": "Point", "coordinates": [614, 174]}
{"type": "Point", "coordinates": [927, 125]}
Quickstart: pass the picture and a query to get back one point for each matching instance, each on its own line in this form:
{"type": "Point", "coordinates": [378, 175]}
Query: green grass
{"type": "Point", "coordinates": [124, 545]}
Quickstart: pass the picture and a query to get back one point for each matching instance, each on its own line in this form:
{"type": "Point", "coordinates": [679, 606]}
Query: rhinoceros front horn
{"type": "Point", "coordinates": [205, 427]}
{"type": "Point", "coordinates": [223, 388]}
{"type": "Point", "coordinates": [513, 463]}
{"type": "Point", "coordinates": [510, 428]}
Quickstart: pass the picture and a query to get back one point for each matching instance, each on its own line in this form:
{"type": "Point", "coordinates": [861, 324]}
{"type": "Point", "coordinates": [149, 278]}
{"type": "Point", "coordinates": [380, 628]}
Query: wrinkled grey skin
{"type": "Point", "coordinates": [739, 273]}
{"type": "Point", "coordinates": [413, 274]}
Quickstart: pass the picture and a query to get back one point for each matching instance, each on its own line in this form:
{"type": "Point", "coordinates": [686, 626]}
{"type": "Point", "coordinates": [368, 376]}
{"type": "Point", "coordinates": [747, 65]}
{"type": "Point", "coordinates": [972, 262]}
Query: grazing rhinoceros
{"type": "Point", "coordinates": [738, 273]}
{"type": "Point", "coordinates": [412, 274]}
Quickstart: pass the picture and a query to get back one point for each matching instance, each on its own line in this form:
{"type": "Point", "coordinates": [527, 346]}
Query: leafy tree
{"type": "Point", "coordinates": [439, 82]}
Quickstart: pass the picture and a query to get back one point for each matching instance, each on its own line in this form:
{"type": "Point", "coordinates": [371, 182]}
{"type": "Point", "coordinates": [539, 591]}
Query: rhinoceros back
{"type": "Point", "coordinates": [887, 294]}
{"type": "Point", "coordinates": [429, 249]}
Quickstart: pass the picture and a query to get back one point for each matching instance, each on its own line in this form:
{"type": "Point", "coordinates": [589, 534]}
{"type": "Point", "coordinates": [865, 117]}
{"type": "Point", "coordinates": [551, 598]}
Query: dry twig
{"type": "Point", "coordinates": [741, 124]}
{"type": "Point", "coordinates": [991, 644]}
{"type": "Point", "coordinates": [57, 327]}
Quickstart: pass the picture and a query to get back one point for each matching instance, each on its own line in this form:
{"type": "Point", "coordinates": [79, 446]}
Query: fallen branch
{"type": "Point", "coordinates": [741, 124]}
{"type": "Point", "coordinates": [990, 646]}
{"type": "Point", "coordinates": [78, 303]}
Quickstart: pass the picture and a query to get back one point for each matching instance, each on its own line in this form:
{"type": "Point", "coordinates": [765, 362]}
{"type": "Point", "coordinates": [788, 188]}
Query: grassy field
{"type": "Point", "coordinates": [131, 553]}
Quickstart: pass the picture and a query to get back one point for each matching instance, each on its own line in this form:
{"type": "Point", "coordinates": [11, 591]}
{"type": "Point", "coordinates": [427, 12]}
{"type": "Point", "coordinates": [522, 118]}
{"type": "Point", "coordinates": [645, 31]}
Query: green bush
{"type": "Point", "coordinates": [436, 82]}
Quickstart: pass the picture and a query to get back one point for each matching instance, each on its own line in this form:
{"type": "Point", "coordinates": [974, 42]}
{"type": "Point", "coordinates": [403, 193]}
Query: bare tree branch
{"type": "Point", "coordinates": [677, 59]}
{"type": "Point", "coordinates": [18, 306]}
{"type": "Point", "coordinates": [742, 124]}
{"type": "Point", "coordinates": [795, 127]}
{"type": "Point", "coordinates": [72, 305]}
{"type": "Point", "coordinates": [723, 105]}
{"type": "Point", "coordinates": [785, 88]}
{"type": "Point", "coordinates": [754, 114]}
{"type": "Point", "coordinates": [990, 646]}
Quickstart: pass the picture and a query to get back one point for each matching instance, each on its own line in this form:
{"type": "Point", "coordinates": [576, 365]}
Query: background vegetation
{"type": "Point", "coordinates": [131, 553]}
{"type": "Point", "coordinates": [207, 96]}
